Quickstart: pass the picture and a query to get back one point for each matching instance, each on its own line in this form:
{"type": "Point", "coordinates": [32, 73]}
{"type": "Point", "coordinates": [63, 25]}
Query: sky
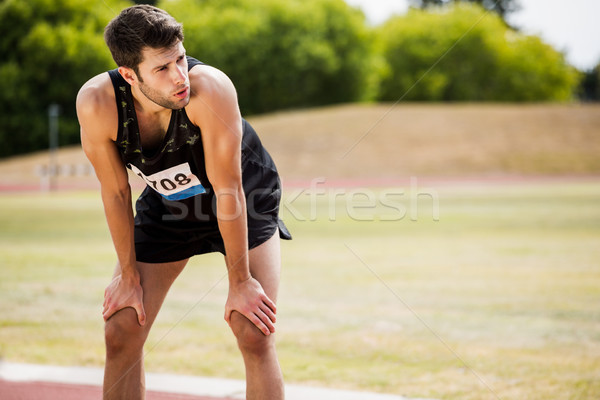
{"type": "Point", "coordinates": [570, 26]}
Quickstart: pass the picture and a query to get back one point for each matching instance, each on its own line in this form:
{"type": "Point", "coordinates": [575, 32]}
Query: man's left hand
{"type": "Point", "coordinates": [249, 299]}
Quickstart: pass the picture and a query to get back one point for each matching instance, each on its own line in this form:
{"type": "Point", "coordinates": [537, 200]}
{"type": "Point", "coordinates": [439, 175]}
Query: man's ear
{"type": "Point", "coordinates": [128, 74]}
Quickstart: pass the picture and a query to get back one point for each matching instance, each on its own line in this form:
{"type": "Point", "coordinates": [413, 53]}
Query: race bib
{"type": "Point", "coordinates": [175, 183]}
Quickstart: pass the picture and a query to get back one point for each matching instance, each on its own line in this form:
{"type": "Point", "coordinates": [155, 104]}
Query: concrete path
{"type": "Point", "coordinates": [42, 382]}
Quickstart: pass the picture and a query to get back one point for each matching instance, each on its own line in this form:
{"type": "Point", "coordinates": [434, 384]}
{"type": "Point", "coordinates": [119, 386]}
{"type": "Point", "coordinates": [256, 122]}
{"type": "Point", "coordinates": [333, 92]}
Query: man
{"type": "Point", "coordinates": [211, 186]}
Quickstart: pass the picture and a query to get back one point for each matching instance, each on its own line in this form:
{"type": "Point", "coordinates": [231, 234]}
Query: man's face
{"type": "Point", "coordinates": [163, 76]}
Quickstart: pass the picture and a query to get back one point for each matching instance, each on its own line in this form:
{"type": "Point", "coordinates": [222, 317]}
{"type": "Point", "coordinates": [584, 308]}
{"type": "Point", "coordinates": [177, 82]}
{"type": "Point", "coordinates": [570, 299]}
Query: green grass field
{"type": "Point", "coordinates": [499, 297]}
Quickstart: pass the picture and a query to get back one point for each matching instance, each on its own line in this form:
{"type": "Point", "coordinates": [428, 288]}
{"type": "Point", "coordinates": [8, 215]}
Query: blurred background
{"type": "Point", "coordinates": [286, 55]}
{"type": "Point", "coordinates": [441, 166]}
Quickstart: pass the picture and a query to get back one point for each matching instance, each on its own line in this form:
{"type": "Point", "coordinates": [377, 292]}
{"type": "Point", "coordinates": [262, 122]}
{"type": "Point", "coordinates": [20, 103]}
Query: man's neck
{"type": "Point", "coordinates": [144, 105]}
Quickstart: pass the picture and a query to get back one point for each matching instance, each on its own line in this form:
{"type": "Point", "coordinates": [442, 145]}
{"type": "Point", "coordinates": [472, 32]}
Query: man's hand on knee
{"type": "Point", "coordinates": [121, 293]}
{"type": "Point", "coordinates": [249, 299]}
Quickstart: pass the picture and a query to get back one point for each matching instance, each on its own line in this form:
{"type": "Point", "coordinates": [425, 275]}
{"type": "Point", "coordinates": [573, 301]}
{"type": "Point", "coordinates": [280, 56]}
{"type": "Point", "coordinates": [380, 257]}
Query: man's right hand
{"type": "Point", "coordinates": [123, 292]}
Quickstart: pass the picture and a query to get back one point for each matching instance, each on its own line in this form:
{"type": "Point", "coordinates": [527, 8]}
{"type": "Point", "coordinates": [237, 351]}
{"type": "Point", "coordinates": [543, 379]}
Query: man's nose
{"type": "Point", "coordinates": [179, 75]}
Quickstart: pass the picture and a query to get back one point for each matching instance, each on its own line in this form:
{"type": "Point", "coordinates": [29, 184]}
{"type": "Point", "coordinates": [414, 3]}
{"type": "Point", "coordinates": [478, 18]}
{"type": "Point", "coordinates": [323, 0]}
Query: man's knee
{"type": "Point", "coordinates": [250, 339]}
{"type": "Point", "coordinates": [122, 332]}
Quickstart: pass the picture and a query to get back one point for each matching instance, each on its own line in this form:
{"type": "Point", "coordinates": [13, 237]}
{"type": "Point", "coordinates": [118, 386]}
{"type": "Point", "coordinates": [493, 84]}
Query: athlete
{"type": "Point", "coordinates": [211, 186]}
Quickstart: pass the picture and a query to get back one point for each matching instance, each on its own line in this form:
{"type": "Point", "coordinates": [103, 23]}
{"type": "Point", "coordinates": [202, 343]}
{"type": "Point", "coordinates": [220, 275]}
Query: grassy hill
{"type": "Point", "coordinates": [382, 141]}
{"type": "Point", "coordinates": [366, 141]}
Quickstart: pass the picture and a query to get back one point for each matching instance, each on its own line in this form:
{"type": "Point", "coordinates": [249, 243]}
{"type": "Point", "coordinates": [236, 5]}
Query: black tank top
{"type": "Point", "coordinates": [176, 171]}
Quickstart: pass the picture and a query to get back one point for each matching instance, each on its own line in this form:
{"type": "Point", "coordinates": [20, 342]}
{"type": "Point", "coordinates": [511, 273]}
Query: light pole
{"type": "Point", "coordinates": [53, 113]}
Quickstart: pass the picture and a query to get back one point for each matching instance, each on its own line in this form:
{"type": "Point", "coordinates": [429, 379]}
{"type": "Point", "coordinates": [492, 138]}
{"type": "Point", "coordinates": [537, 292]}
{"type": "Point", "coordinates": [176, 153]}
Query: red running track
{"type": "Point", "coordinates": [19, 390]}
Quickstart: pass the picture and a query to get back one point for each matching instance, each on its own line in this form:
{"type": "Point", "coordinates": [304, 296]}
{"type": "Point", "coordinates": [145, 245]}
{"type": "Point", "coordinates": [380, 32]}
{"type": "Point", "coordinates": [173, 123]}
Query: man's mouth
{"type": "Point", "coordinates": [182, 94]}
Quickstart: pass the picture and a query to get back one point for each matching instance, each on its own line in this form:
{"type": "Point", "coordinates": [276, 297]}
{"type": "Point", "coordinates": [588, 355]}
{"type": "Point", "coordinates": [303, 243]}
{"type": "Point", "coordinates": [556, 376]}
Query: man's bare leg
{"type": "Point", "coordinates": [125, 338]}
{"type": "Point", "coordinates": [264, 380]}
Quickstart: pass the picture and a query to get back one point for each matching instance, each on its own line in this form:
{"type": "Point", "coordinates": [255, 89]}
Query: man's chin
{"type": "Point", "coordinates": [181, 104]}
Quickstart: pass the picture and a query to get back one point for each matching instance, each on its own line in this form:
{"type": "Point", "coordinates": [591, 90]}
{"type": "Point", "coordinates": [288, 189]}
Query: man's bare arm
{"type": "Point", "coordinates": [215, 109]}
{"type": "Point", "coordinates": [97, 113]}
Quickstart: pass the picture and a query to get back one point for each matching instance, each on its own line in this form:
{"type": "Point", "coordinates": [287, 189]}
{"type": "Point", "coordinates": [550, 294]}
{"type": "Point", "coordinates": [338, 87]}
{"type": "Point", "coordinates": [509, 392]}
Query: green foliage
{"type": "Point", "coordinates": [502, 7]}
{"type": "Point", "coordinates": [590, 85]}
{"type": "Point", "coordinates": [49, 48]}
{"type": "Point", "coordinates": [459, 53]}
{"type": "Point", "coordinates": [281, 54]}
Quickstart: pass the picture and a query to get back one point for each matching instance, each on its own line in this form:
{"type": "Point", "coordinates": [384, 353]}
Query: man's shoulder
{"type": "Point", "coordinates": [97, 109]}
{"type": "Point", "coordinates": [96, 95]}
{"type": "Point", "coordinates": [209, 86]}
{"type": "Point", "coordinates": [206, 78]}
{"type": "Point", "coordinates": [212, 92]}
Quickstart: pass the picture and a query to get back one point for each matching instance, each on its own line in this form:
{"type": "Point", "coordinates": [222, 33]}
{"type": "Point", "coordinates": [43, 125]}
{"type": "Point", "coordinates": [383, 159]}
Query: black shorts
{"type": "Point", "coordinates": [168, 231]}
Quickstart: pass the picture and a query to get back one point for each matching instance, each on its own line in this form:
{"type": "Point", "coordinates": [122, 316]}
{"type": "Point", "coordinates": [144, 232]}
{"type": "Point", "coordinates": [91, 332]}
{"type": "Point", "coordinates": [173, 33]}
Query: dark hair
{"type": "Point", "coordinates": [137, 27]}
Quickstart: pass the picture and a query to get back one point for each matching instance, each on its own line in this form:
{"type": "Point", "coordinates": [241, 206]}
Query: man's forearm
{"type": "Point", "coordinates": [119, 216]}
{"type": "Point", "coordinates": [231, 214]}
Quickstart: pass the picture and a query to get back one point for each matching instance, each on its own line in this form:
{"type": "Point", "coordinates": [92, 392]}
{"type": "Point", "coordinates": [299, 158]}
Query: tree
{"type": "Point", "coordinates": [281, 54]}
{"type": "Point", "coordinates": [48, 48]}
{"type": "Point", "coordinates": [502, 7]}
{"type": "Point", "coordinates": [454, 55]}
{"type": "Point", "coordinates": [590, 85]}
